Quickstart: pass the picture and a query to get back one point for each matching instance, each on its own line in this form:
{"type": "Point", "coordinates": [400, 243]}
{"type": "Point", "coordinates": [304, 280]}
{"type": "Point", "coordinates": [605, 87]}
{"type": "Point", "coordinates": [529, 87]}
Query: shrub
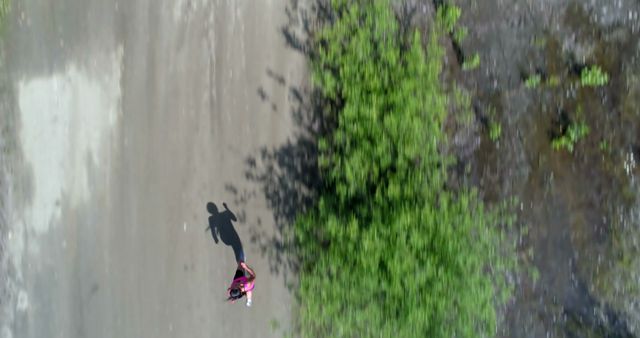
{"type": "Point", "coordinates": [388, 250]}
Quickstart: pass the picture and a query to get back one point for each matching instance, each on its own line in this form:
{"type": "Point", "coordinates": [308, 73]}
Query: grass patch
{"type": "Point", "coordinates": [574, 133]}
{"type": "Point", "coordinates": [459, 105]}
{"type": "Point", "coordinates": [593, 77]}
{"type": "Point", "coordinates": [448, 16]}
{"type": "Point", "coordinates": [459, 34]}
{"type": "Point", "coordinates": [604, 147]}
{"type": "Point", "coordinates": [533, 81]}
{"type": "Point", "coordinates": [388, 250]}
{"type": "Point", "coordinates": [495, 131]}
{"type": "Point", "coordinates": [472, 63]}
{"type": "Point", "coordinates": [495, 127]}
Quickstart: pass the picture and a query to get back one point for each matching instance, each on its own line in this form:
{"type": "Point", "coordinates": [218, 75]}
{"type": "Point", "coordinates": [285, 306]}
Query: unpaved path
{"type": "Point", "coordinates": [127, 118]}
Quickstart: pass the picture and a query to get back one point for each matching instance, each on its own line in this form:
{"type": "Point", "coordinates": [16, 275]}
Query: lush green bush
{"type": "Point", "coordinates": [389, 251]}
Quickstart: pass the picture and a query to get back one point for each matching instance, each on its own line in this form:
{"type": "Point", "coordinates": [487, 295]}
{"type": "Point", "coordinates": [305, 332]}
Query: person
{"type": "Point", "coordinates": [242, 285]}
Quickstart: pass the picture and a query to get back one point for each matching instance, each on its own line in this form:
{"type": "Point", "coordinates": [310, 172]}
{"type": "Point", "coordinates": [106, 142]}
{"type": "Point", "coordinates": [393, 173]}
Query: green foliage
{"type": "Point", "coordinates": [533, 81]}
{"type": "Point", "coordinates": [448, 16]}
{"type": "Point", "coordinates": [495, 130]}
{"type": "Point", "coordinates": [388, 251]}
{"type": "Point", "coordinates": [472, 63]}
{"type": "Point", "coordinates": [459, 34]}
{"type": "Point", "coordinates": [459, 104]}
{"type": "Point", "coordinates": [593, 77]}
{"type": "Point", "coordinates": [574, 133]}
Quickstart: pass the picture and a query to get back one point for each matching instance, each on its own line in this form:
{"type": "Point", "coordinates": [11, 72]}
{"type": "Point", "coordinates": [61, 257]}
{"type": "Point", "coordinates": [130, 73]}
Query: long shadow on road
{"type": "Point", "coordinates": [220, 225]}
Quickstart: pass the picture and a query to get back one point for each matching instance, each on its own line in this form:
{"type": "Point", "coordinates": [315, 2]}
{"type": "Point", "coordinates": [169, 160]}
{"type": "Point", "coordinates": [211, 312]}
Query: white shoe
{"type": "Point", "coordinates": [249, 302]}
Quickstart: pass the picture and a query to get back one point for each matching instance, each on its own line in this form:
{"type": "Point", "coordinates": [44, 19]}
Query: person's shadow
{"type": "Point", "coordinates": [220, 225]}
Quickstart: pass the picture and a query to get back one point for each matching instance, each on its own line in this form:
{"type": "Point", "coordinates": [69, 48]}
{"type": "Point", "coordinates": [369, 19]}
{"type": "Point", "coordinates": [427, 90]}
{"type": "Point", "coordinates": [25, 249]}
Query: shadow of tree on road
{"type": "Point", "coordinates": [289, 178]}
{"type": "Point", "coordinates": [288, 175]}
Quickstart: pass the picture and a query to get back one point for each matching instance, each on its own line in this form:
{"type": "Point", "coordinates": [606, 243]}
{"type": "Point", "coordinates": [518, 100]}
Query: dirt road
{"type": "Point", "coordinates": [122, 120]}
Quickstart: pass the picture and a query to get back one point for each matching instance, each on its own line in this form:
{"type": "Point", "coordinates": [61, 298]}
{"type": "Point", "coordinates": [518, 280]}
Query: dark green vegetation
{"type": "Point", "coordinates": [390, 250]}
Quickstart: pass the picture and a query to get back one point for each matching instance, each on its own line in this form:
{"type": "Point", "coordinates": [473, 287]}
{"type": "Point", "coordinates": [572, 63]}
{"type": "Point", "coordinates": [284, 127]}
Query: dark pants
{"type": "Point", "coordinates": [239, 273]}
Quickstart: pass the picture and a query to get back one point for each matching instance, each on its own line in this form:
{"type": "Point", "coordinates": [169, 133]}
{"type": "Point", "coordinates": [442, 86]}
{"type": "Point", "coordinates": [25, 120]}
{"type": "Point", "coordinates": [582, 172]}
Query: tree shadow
{"type": "Point", "coordinates": [303, 19]}
{"type": "Point", "coordinates": [288, 176]}
{"type": "Point", "coordinates": [220, 226]}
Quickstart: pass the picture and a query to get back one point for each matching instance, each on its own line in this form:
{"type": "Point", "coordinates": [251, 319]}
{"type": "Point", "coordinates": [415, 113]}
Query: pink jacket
{"type": "Point", "coordinates": [248, 286]}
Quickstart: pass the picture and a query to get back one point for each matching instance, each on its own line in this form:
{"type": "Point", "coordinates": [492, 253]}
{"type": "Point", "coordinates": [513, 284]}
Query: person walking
{"type": "Point", "coordinates": [243, 283]}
